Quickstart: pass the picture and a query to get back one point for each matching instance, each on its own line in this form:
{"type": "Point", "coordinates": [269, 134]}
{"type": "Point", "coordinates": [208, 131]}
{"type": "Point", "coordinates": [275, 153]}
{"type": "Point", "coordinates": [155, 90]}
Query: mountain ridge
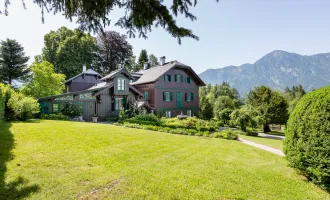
{"type": "Point", "coordinates": [277, 69]}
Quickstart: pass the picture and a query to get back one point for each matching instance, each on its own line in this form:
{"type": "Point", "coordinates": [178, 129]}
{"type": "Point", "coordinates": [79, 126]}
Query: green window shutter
{"type": "Point", "coordinates": [175, 78]}
{"type": "Point", "coordinates": [171, 96]}
{"type": "Point", "coordinates": [169, 78]}
{"type": "Point", "coordinates": [165, 77]}
{"type": "Point", "coordinates": [192, 96]}
{"type": "Point", "coordinates": [181, 77]}
{"type": "Point", "coordinates": [164, 96]}
{"type": "Point", "coordinates": [146, 95]}
{"type": "Point", "coordinates": [124, 85]}
{"type": "Point", "coordinates": [185, 96]}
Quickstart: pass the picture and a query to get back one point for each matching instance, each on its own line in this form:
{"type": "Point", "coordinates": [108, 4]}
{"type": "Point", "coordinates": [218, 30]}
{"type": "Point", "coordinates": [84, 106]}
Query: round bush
{"type": "Point", "coordinates": [307, 142]}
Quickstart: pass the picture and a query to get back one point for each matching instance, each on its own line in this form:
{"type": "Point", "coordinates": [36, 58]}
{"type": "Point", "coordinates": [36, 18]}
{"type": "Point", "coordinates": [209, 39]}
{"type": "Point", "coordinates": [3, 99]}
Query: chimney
{"type": "Point", "coordinates": [162, 60]}
{"type": "Point", "coordinates": [84, 68]}
{"type": "Point", "coordinates": [146, 65]}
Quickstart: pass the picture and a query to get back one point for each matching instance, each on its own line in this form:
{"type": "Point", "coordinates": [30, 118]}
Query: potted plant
{"type": "Point", "coordinates": [95, 117]}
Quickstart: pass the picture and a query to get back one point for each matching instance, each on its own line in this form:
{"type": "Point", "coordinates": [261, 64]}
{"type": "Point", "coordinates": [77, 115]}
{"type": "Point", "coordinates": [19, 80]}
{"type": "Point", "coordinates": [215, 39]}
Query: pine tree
{"type": "Point", "coordinates": [142, 58]}
{"type": "Point", "coordinates": [153, 60]}
{"type": "Point", "coordinates": [13, 62]}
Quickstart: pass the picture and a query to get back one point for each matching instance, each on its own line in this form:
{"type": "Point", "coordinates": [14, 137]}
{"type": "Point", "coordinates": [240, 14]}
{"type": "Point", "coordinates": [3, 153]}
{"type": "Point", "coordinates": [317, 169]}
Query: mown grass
{"type": "Point", "coordinates": [71, 160]}
{"type": "Point", "coordinates": [275, 143]}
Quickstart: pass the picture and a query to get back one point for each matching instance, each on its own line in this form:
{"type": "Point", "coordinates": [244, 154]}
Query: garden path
{"type": "Point", "coordinates": [264, 147]}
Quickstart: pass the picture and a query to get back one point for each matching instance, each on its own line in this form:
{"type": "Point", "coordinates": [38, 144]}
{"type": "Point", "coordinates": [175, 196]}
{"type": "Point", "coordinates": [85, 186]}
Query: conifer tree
{"type": "Point", "coordinates": [13, 62]}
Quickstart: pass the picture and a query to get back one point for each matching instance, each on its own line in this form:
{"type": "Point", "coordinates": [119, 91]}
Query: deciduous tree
{"type": "Point", "coordinates": [44, 81]}
{"type": "Point", "coordinates": [68, 50]}
{"type": "Point", "coordinates": [113, 50]}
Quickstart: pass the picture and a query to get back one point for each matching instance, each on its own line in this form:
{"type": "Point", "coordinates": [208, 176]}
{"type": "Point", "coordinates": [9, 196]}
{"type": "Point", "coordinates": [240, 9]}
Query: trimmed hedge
{"type": "Point", "coordinates": [58, 116]}
{"type": "Point", "coordinates": [307, 142]}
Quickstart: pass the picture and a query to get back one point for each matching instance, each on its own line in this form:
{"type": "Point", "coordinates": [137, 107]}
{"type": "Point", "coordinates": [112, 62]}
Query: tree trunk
{"type": "Point", "coordinates": [266, 128]}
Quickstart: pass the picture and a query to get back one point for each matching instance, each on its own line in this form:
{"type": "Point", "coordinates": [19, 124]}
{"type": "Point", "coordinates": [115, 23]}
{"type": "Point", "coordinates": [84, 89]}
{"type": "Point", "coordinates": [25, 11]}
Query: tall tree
{"type": "Point", "coordinates": [271, 105]}
{"type": "Point", "coordinates": [139, 15]}
{"type": "Point", "coordinates": [68, 50]}
{"type": "Point", "coordinates": [12, 61]}
{"type": "Point", "coordinates": [153, 61]}
{"type": "Point", "coordinates": [113, 50]}
{"type": "Point", "coordinates": [142, 58]}
{"type": "Point", "coordinates": [44, 81]}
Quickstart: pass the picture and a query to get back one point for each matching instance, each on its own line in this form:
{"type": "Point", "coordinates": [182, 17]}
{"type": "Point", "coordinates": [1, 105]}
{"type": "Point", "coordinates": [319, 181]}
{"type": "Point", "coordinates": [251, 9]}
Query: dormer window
{"type": "Point", "coordinates": [121, 84]}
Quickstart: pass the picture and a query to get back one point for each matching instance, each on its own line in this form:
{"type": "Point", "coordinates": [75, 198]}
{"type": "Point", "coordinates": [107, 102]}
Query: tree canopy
{"type": "Point", "coordinates": [13, 62]}
{"type": "Point", "coordinates": [143, 57]}
{"type": "Point", "coordinates": [113, 50]}
{"type": "Point", "coordinates": [44, 81]}
{"type": "Point", "coordinates": [68, 50]}
{"type": "Point", "coordinates": [139, 16]}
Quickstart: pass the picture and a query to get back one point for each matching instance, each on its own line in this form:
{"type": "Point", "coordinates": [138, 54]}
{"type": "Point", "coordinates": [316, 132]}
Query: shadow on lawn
{"type": "Point", "coordinates": [18, 188]}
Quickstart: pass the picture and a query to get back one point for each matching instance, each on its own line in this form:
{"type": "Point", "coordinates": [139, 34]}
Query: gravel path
{"type": "Point", "coordinates": [264, 147]}
{"type": "Point", "coordinates": [277, 137]}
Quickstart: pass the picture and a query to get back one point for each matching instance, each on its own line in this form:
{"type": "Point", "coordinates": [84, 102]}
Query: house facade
{"type": "Point", "coordinates": [169, 89]}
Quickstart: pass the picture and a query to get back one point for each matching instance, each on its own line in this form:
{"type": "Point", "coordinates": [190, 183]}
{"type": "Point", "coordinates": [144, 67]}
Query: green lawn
{"type": "Point", "coordinates": [71, 160]}
{"type": "Point", "coordinates": [278, 144]}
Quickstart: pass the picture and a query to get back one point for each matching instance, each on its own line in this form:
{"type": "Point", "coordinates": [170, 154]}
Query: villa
{"type": "Point", "coordinates": [170, 88]}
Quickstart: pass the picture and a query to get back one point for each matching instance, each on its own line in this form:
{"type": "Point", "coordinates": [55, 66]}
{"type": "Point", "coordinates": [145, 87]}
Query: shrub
{"type": "Point", "coordinates": [57, 116]}
{"type": "Point", "coordinates": [23, 107]}
{"type": "Point", "coordinates": [112, 119]}
{"type": "Point", "coordinates": [134, 121]}
{"type": "Point", "coordinates": [5, 92]}
{"type": "Point", "coordinates": [150, 127]}
{"type": "Point", "coordinates": [178, 131]}
{"type": "Point", "coordinates": [132, 125]}
{"type": "Point", "coordinates": [307, 142]}
{"type": "Point", "coordinates": [72, 110]}
{"type": "Point", "coordinates": [228, 134]}
{"type": "Point", "coordinates": [147, 118]}
{"type": "Point", "coordinates": [248, 133]}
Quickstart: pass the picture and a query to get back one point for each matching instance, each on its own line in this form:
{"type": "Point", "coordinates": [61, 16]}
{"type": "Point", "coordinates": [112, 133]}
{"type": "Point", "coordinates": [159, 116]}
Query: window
{"type": "Point", "coordinates": [55, 108]}
{"type": "Point", "coordinates": [167, 78]}
{"type": "Point", "coordinates": [146, 95]}
{"type": "Point", "coordinates": [121, 84]}
{"type": "Point", "coordinates": [189, 96]}
{"type": "Point", "coordinates": [189, 113]}
{"type": "Point", "coordinates": [168, 114]}
{"type": "Point", "coordinates": [188, 80]}
{"type": "Point", "coordinates": [178, 78]}
{"type": "Point", "coordinates": [167, 96]}
{"type": "Point", "coordinates": [144, 111]}
{"type": "Point", "coordinates": [118, 103]}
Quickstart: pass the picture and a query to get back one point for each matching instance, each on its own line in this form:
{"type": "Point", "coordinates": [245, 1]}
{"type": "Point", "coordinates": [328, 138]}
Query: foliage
{"type": "Point", "coordinates": [68, 50]}
{"type": "Point", "coordinates": [226, 134]}
{"type": "Point", "coordinates": [249, 133]}
{"type": "Point", "coordinates": [113, 51]}
{"type": "Point", "coordinates": [55, 116]}
{"type": "Point", "coordinates": [23, 107]}
{"type": "Point", "coordinates": [222, 97]}
{"type": "Point", "coordinates": [133, 109]}
{"type": "Point", "coordinates": [153, 61]}
{"type": "Point", "coordinates": [139, 16]}
{"type": "Point", "coordinates": [13, 62]}
{"type": "Point", "coordinates": [206, 108]}
{"type": "Point", "coordinates": [224, 115]}
{"type": "Point", "coordinates": [143, 57]}
{"type": "Point", "coordinates": [72, 110]}
{"type": "Point", "coordinates": [147, 117]}
{"type": "Point", "coordinates": [307, 137]}
{"type": "Point", "coordinates": [135, 121]}
{"type": "Point", "coordinates": [122, 115]}
{"type": "Point", "coordinates": [270, 105]}
{"type": "Point", "coordinates": [293, 95]}
{"type": "Point", "coordinates": [5, 93]}
{"type": "Point", "coordinates": [241, 118]}
{"type": "Point", "coordinates": [44, 81]}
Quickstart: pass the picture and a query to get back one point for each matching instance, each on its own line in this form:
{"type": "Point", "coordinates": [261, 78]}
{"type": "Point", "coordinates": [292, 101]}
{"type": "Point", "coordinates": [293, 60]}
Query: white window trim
{"type": "Point", "coordinates": [121, 84]}
{"type": "Point", "coordinates": [189, 96]}
{"type": "Point", "coordinates": [117, 104]}
{"type": "Point", "coordinates": [189, 113]}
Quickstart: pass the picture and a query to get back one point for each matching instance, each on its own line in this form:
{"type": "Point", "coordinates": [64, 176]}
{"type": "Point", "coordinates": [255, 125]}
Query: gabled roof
{"type": "Point", "coordinates": [152, 74]}
{"type": "Point", "coordinates": [89, 72]}
{"type": "Point", "coordinates": [116, 72]}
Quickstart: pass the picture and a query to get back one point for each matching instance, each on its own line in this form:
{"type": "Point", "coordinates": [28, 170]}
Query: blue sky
{"type": "Point", "coordinates": [232, 32]}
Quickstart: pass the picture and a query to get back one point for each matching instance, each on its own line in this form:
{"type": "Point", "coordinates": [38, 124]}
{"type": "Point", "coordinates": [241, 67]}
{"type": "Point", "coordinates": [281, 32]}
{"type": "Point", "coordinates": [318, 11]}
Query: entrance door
{"type": "Point", "coordinates": [179, 99]}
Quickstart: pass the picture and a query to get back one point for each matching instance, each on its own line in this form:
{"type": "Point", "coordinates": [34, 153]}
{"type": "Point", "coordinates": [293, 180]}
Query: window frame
{"type": "Point", "coordinates": [119, 101]}
{"type": "Point", "coordinates": [121, 84]}
{"type": "Point", "coordinates": [169, 96]}
{"type": "Point", "coordinates": [188, 79]}
{"type": "Point", "coordinates": [189, 113]}
{"type": "Point", "coordinates": [168, 114]}
{"type": "Point", "coordinates": [189, 96]}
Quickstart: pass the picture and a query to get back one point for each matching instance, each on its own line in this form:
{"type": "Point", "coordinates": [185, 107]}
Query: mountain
{"type": "Point", "coordinates": [277, 70]}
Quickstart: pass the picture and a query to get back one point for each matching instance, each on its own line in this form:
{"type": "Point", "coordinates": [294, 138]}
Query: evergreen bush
{"type": "Point", "coordinates": [307, 142]}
